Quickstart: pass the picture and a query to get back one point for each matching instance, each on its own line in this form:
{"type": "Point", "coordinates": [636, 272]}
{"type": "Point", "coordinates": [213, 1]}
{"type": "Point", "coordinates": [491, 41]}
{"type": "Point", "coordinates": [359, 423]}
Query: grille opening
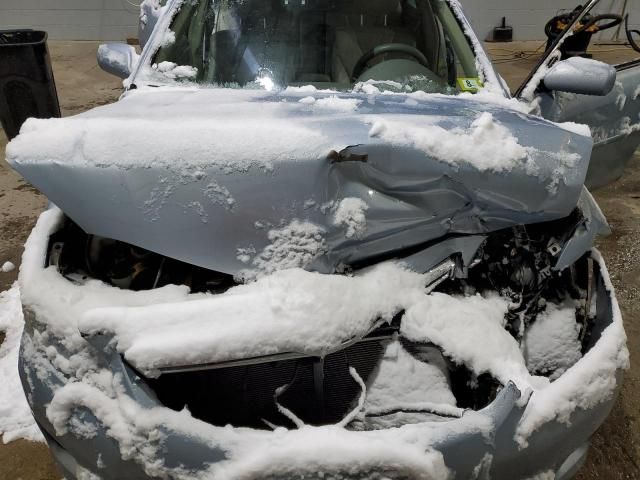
{"type": "Point", "coordinates": [320, 391]}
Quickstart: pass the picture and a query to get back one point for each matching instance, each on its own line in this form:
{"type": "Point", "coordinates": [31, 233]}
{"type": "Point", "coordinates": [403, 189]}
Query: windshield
{"type": "Point", "coordinates": [330, 44]}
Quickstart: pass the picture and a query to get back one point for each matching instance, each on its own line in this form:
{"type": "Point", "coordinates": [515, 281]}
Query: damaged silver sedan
{"type": "Point", "coordinates": [319, 239]}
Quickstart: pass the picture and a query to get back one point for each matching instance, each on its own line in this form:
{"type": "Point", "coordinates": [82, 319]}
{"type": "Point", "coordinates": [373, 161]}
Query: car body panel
{"type": "Point", "coordinates": [614, 121]}
{"type": "Point", "coordinates": [412, 197]}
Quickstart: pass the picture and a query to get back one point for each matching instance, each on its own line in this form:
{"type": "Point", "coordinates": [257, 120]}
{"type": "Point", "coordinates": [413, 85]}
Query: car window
{"type": "Point", "coordinates": [410, 44]}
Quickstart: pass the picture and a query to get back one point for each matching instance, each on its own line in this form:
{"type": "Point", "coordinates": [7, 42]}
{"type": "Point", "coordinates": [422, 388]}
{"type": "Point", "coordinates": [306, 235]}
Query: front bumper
{"type": "Point", "coordinates": [468, 452]}
{"type": "Point", "coordinates": [98, 416]}
{"type": "Point", "coordinates": [556, 447]}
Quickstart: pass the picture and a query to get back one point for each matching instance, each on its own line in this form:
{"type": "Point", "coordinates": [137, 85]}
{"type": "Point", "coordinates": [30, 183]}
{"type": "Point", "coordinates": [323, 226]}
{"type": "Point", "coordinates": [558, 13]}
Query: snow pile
{"type": "Point", "coordinates": [331, 104]}
{"type": "Point", "coordinates": [174, 71]}
{"type": "Point", "coordinates": [213, 132]}
{"type": "Point", "coordinates": [578, 128]}
{"type": "Point", "coordinates": [487, 145]}
{"type": "Point", "coordinates": [350, 214]}
{"type": "Point", "coordinates": [168, 38]}
{"type": "Point", "coordinates": [16, 420]}
{"type": "Point", "coordinates": [377, 87]}
{"type": "Point", "coordinates": [336, 104]}
{"type": "Point", "coordinates": [470, 330]}
{"type": "Point", "coordinates": [252, 453]}
{"type": "Point", "coordinates": [288, 311]}
{"type": "Point", "coordinates": [305, 89]}
{"type": "Point", "coordinates": [402, 381]}
{"type": "Point", "coordinates": [296, 245]}
{"type": "Point", "coordinates": [552, 343]}
{"type": "Point", "coordinates": [336, 451]}
{"type": "Point", "coordinates": [7, 267]}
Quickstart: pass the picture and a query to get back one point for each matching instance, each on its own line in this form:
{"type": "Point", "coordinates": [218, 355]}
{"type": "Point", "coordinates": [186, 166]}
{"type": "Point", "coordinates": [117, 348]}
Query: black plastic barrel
{"type": "Point", "coordinates": [27, 88]}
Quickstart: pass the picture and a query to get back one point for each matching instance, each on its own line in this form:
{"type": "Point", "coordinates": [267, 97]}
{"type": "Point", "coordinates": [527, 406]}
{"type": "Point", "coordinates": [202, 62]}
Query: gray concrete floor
{"type": "Point", "coordinates": [615, 453]}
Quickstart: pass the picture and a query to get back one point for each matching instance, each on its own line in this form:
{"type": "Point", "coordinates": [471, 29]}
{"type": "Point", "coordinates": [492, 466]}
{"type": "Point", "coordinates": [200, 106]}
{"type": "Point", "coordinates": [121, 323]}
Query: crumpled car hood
{"type": "Point", "coordinates": [247, 182]}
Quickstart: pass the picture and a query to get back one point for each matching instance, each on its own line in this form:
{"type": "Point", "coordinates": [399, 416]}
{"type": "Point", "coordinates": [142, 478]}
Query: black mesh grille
{"type": "Point", "coordinates": [320, 391]}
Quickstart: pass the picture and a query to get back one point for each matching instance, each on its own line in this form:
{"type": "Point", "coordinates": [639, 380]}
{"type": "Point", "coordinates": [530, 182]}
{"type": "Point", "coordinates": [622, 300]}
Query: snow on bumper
{"type": "Point", "coordinates": [93, 407]}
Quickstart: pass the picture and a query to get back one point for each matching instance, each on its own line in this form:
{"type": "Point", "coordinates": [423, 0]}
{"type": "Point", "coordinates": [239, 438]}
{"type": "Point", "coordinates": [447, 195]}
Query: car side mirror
{"type": "Point", "coordinates": [118, 59]}
{"type": "Point", "coordinates": [581, 75]}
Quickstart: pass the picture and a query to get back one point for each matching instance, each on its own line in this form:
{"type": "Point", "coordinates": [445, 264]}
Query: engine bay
{"type": "Point", "coordinates": [265, 392]}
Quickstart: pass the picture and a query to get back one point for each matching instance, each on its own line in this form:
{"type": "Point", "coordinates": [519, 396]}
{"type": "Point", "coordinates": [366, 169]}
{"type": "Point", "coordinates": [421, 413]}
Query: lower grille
{"type": "Point", "coordinates": [319, 391]}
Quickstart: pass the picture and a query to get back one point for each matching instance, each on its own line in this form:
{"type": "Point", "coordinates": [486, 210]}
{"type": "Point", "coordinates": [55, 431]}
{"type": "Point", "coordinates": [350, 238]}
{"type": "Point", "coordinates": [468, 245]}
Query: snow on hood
{"type": "Point", "coordinates": [250, 174]}
{"type": "Point", "coordinates": [183, 128]}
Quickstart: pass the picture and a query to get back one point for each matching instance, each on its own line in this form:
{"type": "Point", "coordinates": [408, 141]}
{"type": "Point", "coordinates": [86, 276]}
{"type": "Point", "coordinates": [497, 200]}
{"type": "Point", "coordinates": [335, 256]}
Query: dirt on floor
{"type": "Point", "coordinates": [615, 452]}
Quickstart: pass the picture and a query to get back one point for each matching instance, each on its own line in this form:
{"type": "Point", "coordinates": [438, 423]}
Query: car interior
{"type": "Point", "coordinates": [325, 43]}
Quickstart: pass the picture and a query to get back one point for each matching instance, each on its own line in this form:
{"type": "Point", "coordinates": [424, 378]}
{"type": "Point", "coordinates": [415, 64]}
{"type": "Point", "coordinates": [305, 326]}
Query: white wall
{"type": "Point", "coordinates": [117, 19]}
{"type": "Point", "coordinates": [528, 17]}
{"type": "Point", "coordinates": [73, 19]}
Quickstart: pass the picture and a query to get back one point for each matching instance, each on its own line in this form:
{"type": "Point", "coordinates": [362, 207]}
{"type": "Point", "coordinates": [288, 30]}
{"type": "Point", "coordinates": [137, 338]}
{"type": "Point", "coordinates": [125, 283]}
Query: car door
{"type": "Point", "coordinates": [614, 119]}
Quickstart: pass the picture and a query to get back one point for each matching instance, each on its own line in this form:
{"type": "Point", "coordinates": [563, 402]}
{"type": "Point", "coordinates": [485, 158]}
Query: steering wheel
{"type": "Point", "coordinates": [387, 48]}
